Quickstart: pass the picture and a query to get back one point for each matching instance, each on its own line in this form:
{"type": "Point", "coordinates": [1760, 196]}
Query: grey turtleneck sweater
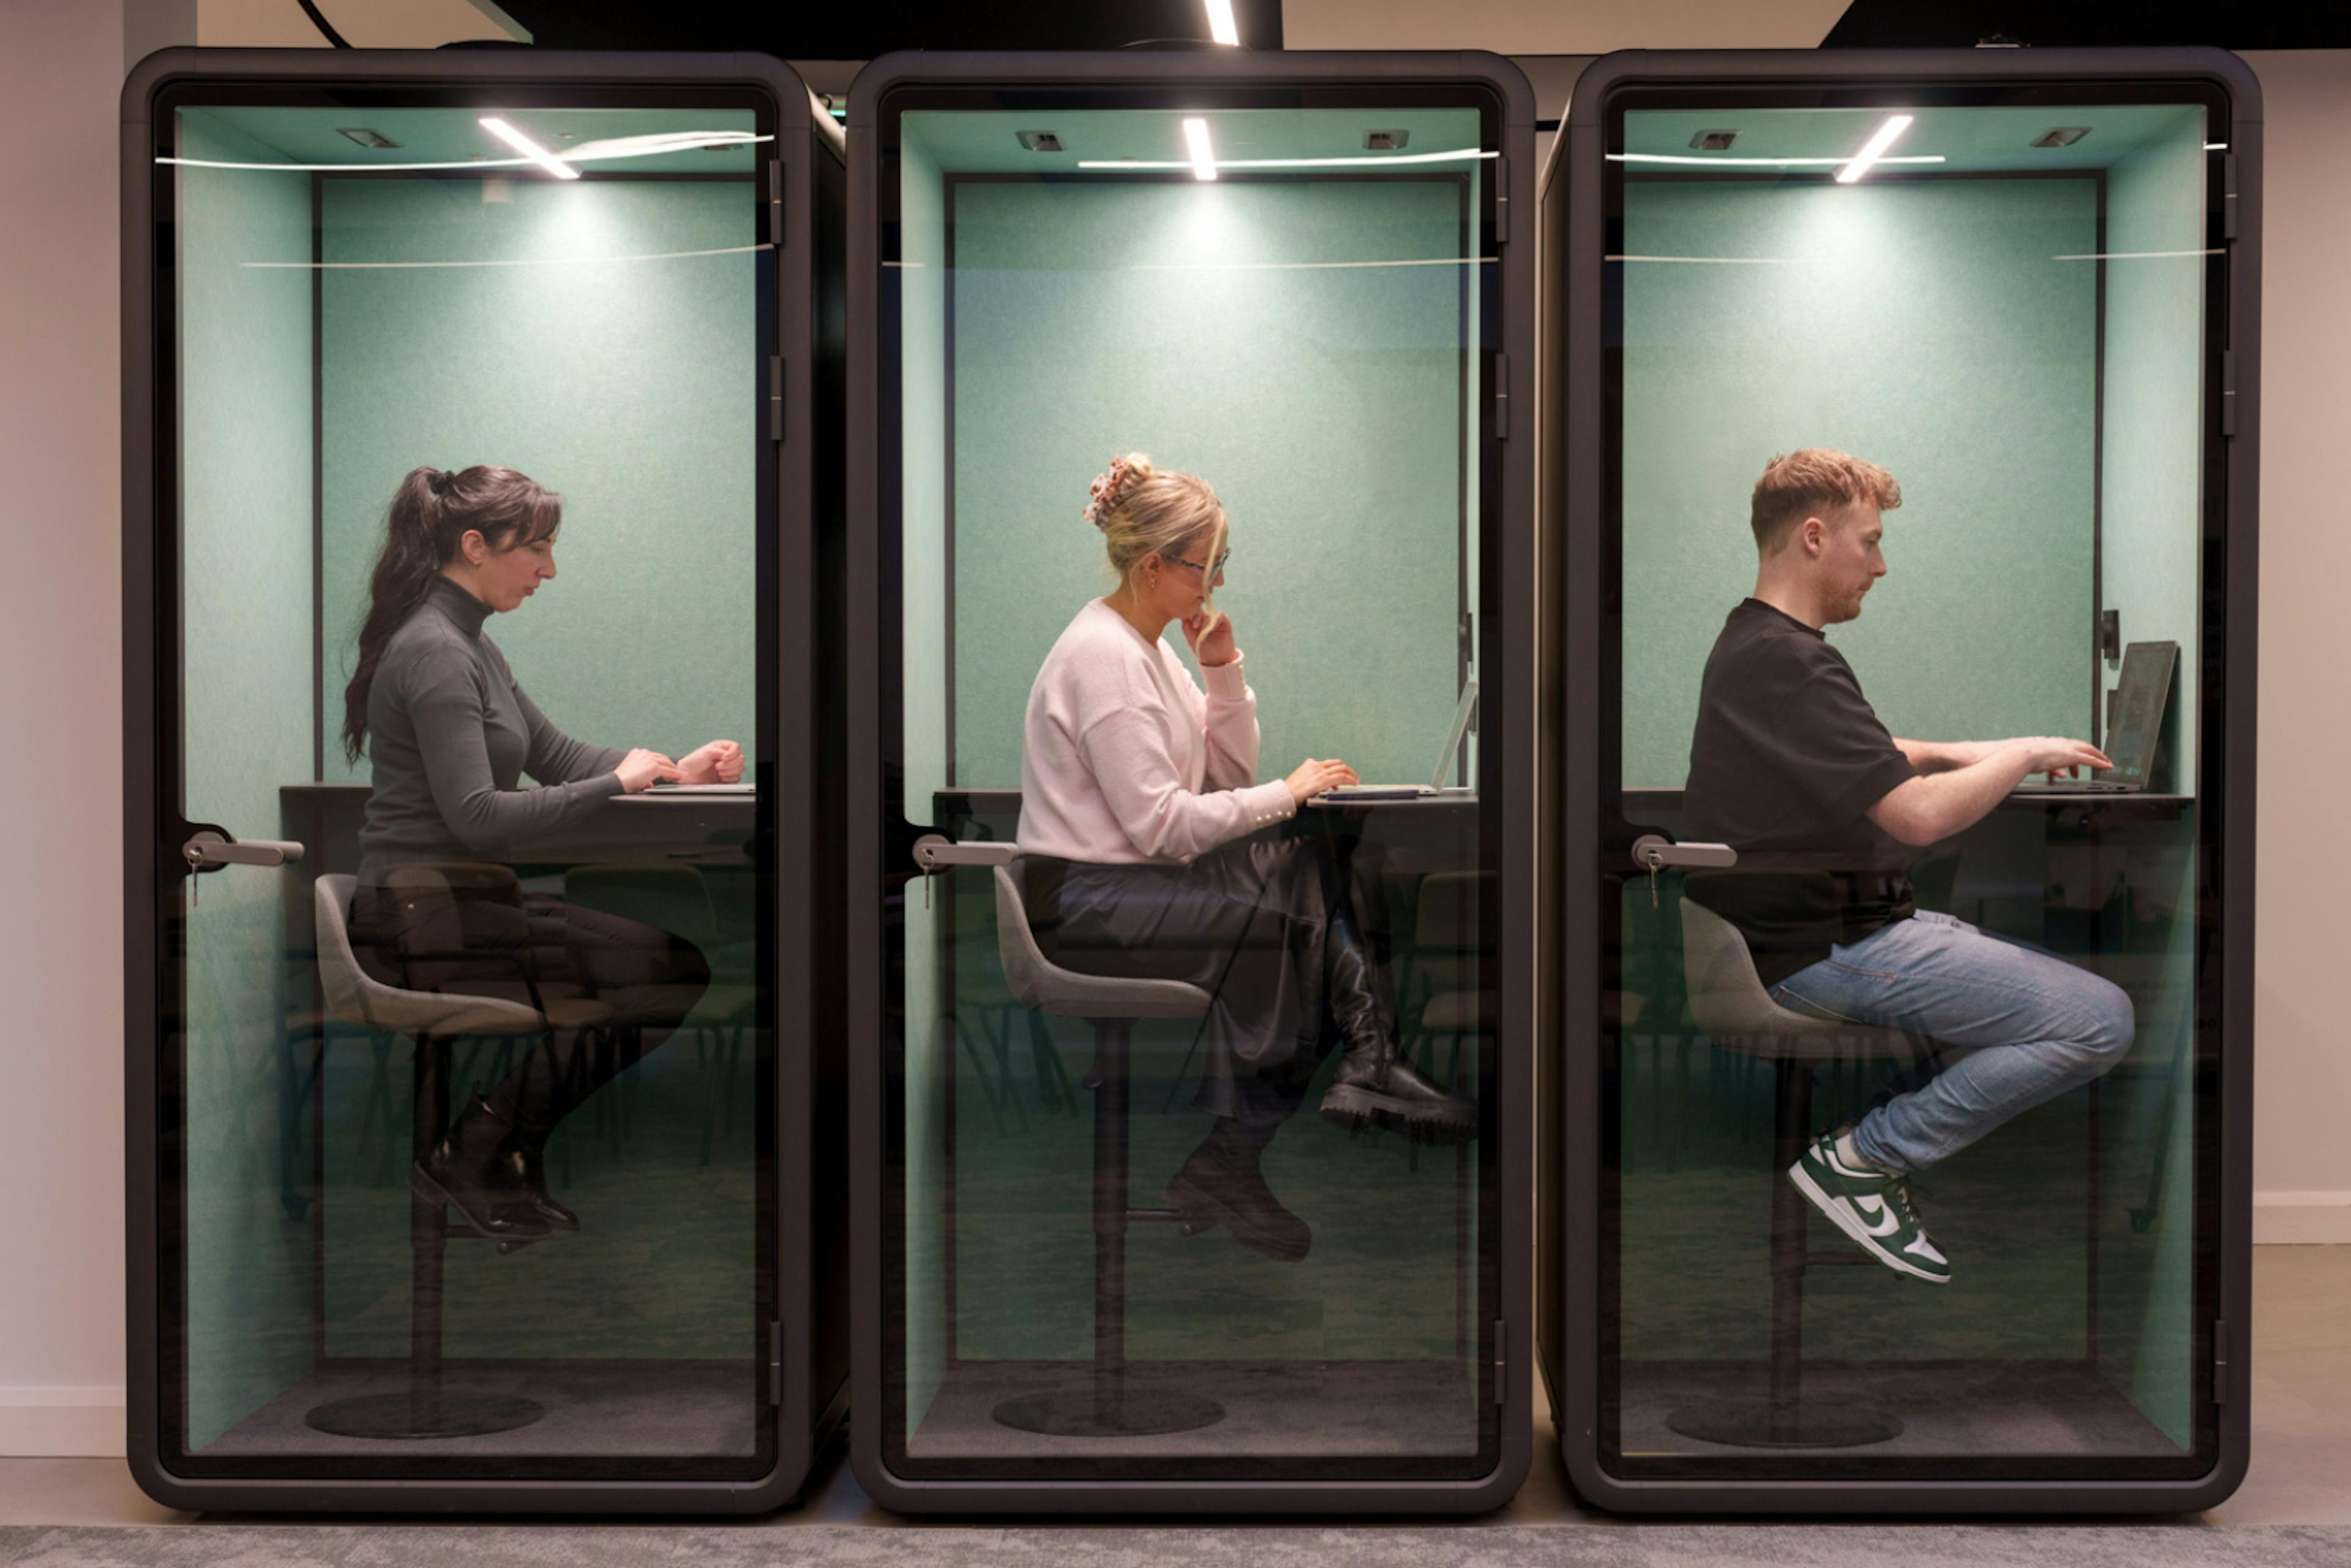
{"type": "Point", "coordinates": [450, 734]}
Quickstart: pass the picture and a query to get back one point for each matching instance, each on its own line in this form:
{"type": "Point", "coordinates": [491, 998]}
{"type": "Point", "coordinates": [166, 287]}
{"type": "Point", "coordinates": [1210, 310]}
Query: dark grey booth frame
{"type": "Point", "coordinates": [880, 849]}
{"type": "Point", "coordinates": [799, 1357]}
{"type": "Point", "coordinates": [1575, 583]}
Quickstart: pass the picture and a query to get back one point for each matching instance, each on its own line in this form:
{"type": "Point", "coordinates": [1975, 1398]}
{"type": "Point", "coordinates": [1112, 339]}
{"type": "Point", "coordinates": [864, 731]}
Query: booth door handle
{"type": "Point", "coordinates": [933, 853]}
{"type": "Point", "coordinates": [1654, 852]}
{"type": "Point", "coordinates": [205, 849]}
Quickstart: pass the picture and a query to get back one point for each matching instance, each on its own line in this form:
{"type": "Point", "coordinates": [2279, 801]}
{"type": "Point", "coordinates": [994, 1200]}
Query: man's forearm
{"type": "Point", "coordinates": [1942, 756]}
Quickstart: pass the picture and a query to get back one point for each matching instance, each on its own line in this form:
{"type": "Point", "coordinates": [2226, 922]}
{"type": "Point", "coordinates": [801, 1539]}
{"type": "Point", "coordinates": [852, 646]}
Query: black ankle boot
{"type": "Point", "coordinates": [468, 1171]}
{"type": "Point", "coordinates": [1374, 1086]}
{"type": "Point", "coordinates": [1221, 1184]}
{"type": "Point", "coordinates": [527, 1165]}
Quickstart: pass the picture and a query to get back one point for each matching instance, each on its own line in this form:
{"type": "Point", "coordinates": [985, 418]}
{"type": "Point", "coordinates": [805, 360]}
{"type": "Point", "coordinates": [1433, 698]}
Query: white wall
{"type": "Point", "coordinates": [61, 65]}
{"type": "Point", "coordinates": [2302, 1163]}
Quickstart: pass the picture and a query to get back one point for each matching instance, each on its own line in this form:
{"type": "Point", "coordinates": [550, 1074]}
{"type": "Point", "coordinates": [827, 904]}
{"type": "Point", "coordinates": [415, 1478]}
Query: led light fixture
{"type": "Point", "coordinates": [1204, 157]}
{"type": "Point", "coordinates": [528, 148]}
{"type": "Point", "coordinates": [1873, 149]}
{"type": "Point", "coordinates": [1220, 22]}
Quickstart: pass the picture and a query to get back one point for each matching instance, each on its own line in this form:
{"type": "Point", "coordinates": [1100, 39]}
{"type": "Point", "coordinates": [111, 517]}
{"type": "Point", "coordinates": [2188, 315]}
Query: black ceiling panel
{"type": "Point", "coordinates": [863, 30]}
{"type": "Point", "coordinates": [1962, 23]}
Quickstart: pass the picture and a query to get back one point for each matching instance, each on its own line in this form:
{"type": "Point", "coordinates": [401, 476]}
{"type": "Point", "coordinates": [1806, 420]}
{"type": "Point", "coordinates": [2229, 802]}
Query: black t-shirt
{"type": "Point", "coordinates": [1786, 761]}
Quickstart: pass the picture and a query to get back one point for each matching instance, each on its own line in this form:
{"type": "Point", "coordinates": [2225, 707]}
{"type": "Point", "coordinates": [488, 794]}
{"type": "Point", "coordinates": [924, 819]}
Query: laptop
{"type": "Point", "coordinates": [1462, 711]}
{"type": "Point", "coordinates": [2139, 700]}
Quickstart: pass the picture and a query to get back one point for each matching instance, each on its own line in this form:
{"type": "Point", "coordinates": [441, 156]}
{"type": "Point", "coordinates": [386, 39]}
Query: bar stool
{"type": "Point", "coordinates": [435, 1018]}
{"type": "Point", "coordinates": [1729, 1003]}
{"type": "Point", "coordinates": [1107, 1408]}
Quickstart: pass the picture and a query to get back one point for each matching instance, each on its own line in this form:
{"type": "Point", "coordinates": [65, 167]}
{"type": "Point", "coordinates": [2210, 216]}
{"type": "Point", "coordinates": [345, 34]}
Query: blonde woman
{"type": "Point", "coordinates": [1142, 848]}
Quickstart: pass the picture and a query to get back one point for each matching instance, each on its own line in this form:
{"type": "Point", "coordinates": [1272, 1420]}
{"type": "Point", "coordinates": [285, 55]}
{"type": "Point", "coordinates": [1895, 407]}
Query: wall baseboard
{"type": "Point", "coordinates": [62, 1422]}
{"type": "Point", "coordinates": [2304, 1219]}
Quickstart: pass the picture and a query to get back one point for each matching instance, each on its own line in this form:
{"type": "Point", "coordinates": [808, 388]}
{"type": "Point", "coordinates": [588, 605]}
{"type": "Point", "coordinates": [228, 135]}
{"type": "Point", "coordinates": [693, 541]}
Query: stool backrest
{"type": "Point", "coordinates": [1727, 998]}
{"type": "Point", "coordinates": [354, 996]}
{"type": "Point", "coordinates": [1016, 944]}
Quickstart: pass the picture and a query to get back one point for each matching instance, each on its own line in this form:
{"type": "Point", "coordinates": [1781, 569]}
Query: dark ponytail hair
{"type": "Point", "coordinates": [431, 512]}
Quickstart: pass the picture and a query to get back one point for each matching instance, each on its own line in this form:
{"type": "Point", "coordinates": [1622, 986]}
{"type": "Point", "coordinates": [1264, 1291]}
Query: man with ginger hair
{"type": "Point", "coordinates": [1789, 767]}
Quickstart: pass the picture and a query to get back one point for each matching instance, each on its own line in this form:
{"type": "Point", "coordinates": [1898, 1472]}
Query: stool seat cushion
{"type": "Point", "coordinates": [1046, 987]}
{"type": "Point", "coordinates": [1728, 1001]}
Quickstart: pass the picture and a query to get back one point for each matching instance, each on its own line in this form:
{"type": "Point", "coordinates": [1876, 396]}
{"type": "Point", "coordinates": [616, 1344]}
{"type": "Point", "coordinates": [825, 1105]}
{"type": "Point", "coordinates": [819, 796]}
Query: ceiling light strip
{"type": "Point", "coordinates": [1203, 155]}
{"type": "Point", "coordinates": [1873, 149]}
{"type": "Point", "coordinates": [528, 148]}
{"type": "Point", "coordinates": [1221, 27]}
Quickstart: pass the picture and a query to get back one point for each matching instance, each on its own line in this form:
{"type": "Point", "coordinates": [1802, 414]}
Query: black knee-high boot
{"type": "Point", "coordinates": [1374, 1085]}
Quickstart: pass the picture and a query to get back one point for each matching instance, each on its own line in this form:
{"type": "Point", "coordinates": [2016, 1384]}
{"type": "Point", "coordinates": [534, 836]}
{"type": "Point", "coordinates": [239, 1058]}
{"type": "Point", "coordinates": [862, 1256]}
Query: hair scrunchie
{"type": "Point", "coordinates": [437, 481]}
{"type": "Point", "coordinates": [1112, 487]}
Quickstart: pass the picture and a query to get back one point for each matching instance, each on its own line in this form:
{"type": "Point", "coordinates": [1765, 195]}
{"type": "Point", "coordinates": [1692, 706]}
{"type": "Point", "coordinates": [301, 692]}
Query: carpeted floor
{"type": "Point", "coordinates": [1264, 1546]}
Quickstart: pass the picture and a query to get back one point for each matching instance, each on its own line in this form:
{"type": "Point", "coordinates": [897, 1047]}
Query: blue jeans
{"type": "Point", "coordinates": [2019, 1026]}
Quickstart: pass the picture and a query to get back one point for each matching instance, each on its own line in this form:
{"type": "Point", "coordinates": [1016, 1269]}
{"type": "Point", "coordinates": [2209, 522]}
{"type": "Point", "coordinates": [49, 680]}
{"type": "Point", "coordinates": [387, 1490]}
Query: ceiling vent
{"type": "Point", "coordinates": [2061, 136]}
{"type": "Point", "coordinates": [1385, 140]}
{"type": "Point", "coordinates": [1714, 141]}
{"type": "Point", "coordinates": [1040, 140]}
{"type": "Point", "coordinates": [367, 138]}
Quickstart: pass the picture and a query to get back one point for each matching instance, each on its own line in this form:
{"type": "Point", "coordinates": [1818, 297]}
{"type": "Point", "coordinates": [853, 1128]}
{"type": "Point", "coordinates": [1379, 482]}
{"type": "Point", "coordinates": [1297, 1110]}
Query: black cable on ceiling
{"type": "Point", "coordinates": [324, 26]}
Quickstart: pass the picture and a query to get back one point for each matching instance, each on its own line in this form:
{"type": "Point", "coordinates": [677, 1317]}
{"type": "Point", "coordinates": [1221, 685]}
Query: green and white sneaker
{"type": "Point", "coordinates": [1872, 1207]}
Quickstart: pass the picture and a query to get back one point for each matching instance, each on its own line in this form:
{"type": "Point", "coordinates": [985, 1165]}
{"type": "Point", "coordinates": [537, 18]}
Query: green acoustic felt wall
{"type": "Point", "coordinates": [1302, 345]}
{"type": "Point", "coordinates": [1923, 324]}
{"type": "Point", "coordinates": [245, 460]}
{"type": "Point", "coordinates": [603, 342]}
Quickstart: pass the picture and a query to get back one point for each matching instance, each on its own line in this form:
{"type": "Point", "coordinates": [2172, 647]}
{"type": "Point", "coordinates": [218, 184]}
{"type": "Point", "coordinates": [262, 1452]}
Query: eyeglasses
{"type": "Point", "coordinates": [1205, 571]}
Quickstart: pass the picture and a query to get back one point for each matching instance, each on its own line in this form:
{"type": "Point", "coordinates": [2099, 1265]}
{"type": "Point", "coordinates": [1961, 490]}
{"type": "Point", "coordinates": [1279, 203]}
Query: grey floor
{"type": "Point", "coordinates": [2294, 1507]}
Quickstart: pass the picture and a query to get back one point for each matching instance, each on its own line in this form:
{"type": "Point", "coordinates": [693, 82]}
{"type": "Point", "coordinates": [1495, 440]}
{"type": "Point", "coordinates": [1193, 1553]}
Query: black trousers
{"type": "Point", "coordinates": [471, 929]}
{"type": "Point", "coordinates": [1262, 926]}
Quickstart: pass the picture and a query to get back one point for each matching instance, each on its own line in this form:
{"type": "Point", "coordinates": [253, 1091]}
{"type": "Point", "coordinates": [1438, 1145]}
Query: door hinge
{"type": "Point", "coordinates": [1501, 397]}
{"type": "Point", "coordinates": [776, 1362]}
{"type": "Point", "coordinates": [2228, 391]}
{"type": "Point", "coordinates": [2220, 1362]}
{"type": "Point", "coordinates": [775, 397]}
{"type": "Point", "coordinates": [1501, 1359]}
{"type": "Point", "coordinates": [2228, 195]}
{"type": "Point", "coordinates": [1502, 203]}
{"type": "Point", "coordinates": [776, 202]}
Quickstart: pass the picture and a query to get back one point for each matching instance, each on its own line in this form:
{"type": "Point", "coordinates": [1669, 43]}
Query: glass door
{"type": "Point", "coordinates": [1909, 771]}
{"type": "Point", "coordinates": [1138, 1219]}
{"type": "Point", "coordinates": [466, 926]}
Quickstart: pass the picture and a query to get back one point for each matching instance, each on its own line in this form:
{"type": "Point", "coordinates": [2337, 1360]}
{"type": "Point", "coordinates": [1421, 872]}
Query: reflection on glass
{"type": "Point", "coordinates": [470, 1148]}
{"type": "Point", "coordinates": [1120, 1248]}
{"type": "Point", "coordinates": [1932, 1023]}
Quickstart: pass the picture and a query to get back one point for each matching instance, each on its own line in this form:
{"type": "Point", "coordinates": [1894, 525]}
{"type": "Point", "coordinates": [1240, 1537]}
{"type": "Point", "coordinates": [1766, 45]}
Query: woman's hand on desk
{"type": "Point", "coordinates": [1210, 633]}
{"type": "Point", "coordinates": [1314, 777]}
{"type": "Point", "coordinates": [640, 768]}
{"type": "Point", "coordinates": [718, 762]}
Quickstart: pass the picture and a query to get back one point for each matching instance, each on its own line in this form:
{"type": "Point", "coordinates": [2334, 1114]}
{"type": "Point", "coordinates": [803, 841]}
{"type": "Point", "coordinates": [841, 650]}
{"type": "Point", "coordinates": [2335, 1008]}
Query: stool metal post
{"type": "Point", "coordinates": [1113, 1037]}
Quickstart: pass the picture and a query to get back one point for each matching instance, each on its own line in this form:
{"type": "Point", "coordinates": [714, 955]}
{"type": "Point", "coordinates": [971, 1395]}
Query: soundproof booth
{"type": "Point", "coordinates": [1899, 452]}
{"type": "Point", "coordinates": [481, 1135]}
{"type": "Point", "coordinates": [1191, 738]}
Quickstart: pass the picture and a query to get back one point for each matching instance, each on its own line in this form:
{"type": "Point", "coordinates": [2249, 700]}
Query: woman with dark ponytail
{"type": "Point", "coordinates": [448, 732]}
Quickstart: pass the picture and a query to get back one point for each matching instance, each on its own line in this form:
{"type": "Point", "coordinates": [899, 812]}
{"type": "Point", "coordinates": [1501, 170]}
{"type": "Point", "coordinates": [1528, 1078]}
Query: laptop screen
{"type": "Point", "coordinates": [2138, 709]}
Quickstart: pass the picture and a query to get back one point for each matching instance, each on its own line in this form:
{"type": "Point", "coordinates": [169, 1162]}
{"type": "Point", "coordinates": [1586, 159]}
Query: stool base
{"type": "Point", "coordinates": [393, 1416]}
{"type": "Point", "coordinates": [1072, 1413]}
{"type": "Point", "coordinates": [1753, 1424]}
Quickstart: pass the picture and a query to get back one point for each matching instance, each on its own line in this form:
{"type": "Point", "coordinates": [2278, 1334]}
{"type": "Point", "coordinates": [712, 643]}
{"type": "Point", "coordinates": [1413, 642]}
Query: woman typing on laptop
{"type": "Point", "coordinates": [448, 732]}
{"type": "Point", "coordinates": [1140, 804]}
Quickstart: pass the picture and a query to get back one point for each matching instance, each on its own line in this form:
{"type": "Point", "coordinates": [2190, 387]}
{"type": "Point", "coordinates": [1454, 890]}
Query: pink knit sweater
{"type": "Point", "coordinates": [1125, 761]}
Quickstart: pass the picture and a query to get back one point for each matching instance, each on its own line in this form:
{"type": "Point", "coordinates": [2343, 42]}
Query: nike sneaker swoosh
{"type": "Point", "coordinates": [1876, 1217]}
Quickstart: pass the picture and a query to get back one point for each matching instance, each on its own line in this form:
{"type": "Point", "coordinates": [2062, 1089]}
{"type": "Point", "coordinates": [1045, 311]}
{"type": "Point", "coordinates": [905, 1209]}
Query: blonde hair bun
{"type": "Point", "coordinates": [1127, 471]}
